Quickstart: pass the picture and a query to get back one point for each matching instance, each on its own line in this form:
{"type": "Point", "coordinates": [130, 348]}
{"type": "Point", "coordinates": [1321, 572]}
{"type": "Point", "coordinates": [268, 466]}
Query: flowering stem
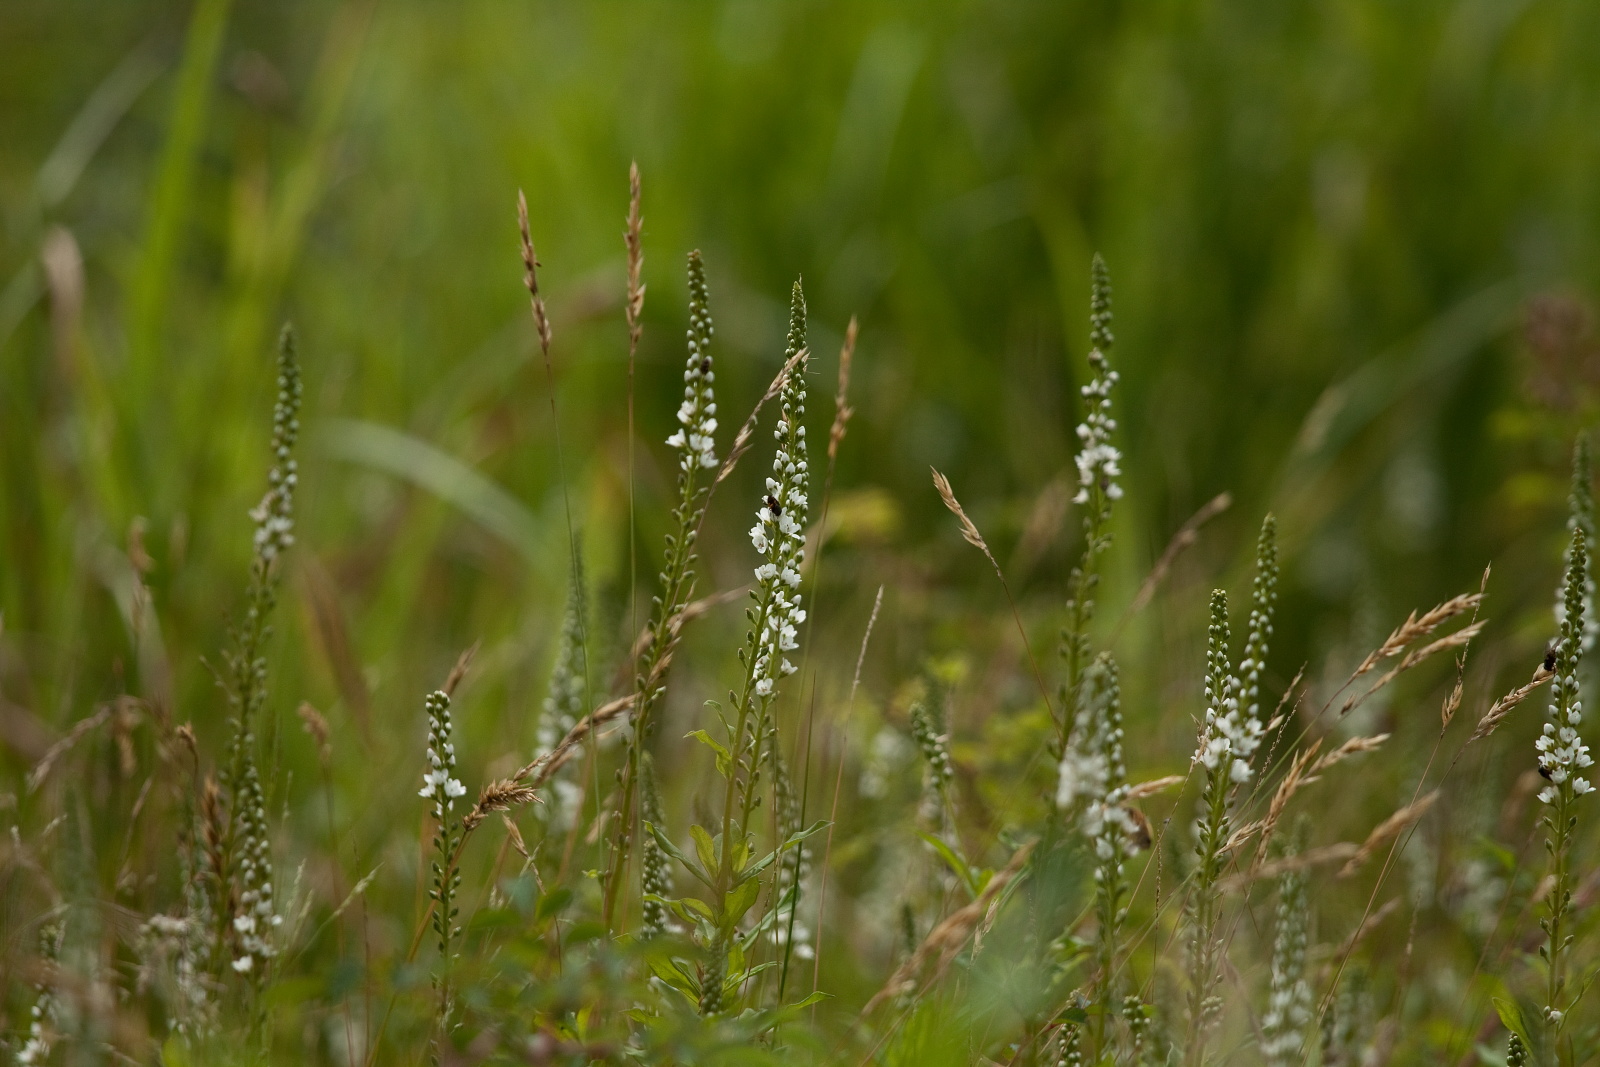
{"type": "Point", "coordinates": [696, 444]}
{"type": "Point", "coordinates": [1227, 740]}
{"type": "Point", "coordinates": [1098, 467]}
{"type": "Point", "coordinates": [440, 785]}
{"type": "Point", "coordinates": [1562, 753]}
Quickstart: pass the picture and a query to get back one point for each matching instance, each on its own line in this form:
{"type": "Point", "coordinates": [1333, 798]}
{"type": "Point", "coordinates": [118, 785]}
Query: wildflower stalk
{"type": "Point", "coordinates": [779, 536]}
{"type": "Point", "coordinates": [44, 1017]}
{"type": "Point", "coordinates": [1108, 825]}
{"type": "Point", "coordinates": [1343, 1027]}
{"type": "Point", "coordinates": [727, 863]}
{"type": "Point", "coordinates": [242, 878]}
{"type": "Point", "coordinates": [1092, 784]}
{"type": "Point", "coordinates": [1580, 518]}
{"type": "Point", "coordinates": [928, 729]}
{"type": "Point", "coordinates": [1225, 746]}
{"type": "Point", "coordinates": [655, 873]}
{"type": "Point", "coordinates": [1288, 1013]}
{"type": "Point", "coordinates": [440, 785]}
{"type": "Point", "coordinates": [1263, 605]}
{"type": "Point", "coordinates": [1098, 464]}
{"type": "Point", "coordinates": [791, 936]}
{"type": "Point", "coordinates": [565, 698]}
{"type": "Point", "coordinates": [1562, 753]}
{"type": "Point", "coordinates": [696, 444]}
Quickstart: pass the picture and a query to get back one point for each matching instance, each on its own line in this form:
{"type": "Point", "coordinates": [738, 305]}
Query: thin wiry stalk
{"type": "Point", "coordinates": [838, 781]}
{"type": "Point", "coordinates": [695, 442]}
{"type": "Point", "coordinates": [541, 323]}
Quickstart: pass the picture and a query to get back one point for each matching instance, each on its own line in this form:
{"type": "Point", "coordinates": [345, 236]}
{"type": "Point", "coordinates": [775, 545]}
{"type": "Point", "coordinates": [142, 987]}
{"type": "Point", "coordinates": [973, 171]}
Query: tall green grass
{"type": "Point", "coordinates": [1355, 267]}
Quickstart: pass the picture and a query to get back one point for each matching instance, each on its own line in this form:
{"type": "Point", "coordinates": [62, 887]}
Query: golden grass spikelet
{"type": "Point", "coordinates": [1186, 535]}
{"type": "Point", "coordinates": [969, 529]}
{"type": "Point", "coordinates": [539, 771]}
{"type": "Point", "coordinates": [1387, 829]}
{"type": "Point", "coordinates": [1298, 776]}
{"type": "Point", "coordinates": [1407, 634]}
{"type": "Point", "coordinates": [316, 725]}
{"type": "Point", "coordinates": [842, 411]}
{"type": "Point", "coordinates": [946, 939]}
{"type": "Point", "coordinates": [1414, 629]}
{"type": "Point", "coordinates": [1312, 857]}
{"type": "Point", "coordinates": [633, 238]}
{"type": "Point", "coordinates": [1369, 924]}
{"type": "Point", "coordinates": [47, 762]}
{"type": "Point", "coordinates": [1505, 705]}
{"type": "Point", "coordinates": [502, 795]}
{"type": "Point", "coordinates": [1353, 747]}
{"type": "Point", "coordinates": [530, 276]}
{"type": "Point", "coordinates": [1154, 786]}
{"type": "Point", "coordinates": [458, 673]}
{"type": "Point", "coordinates": [515, 836]}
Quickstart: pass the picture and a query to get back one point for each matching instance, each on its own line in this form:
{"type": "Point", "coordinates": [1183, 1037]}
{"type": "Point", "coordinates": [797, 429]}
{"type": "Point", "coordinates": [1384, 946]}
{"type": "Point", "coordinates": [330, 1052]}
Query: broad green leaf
{"type": "Point", "coordinates": [1511, 1016]}
{"type": "Point", "coordinates": [724, 757]}
{"type": "Point", "coordinates": [704, 846]}
{"type": "Point", "coordinates": [676, 853]}
{"type": "Point", "coordinates": [739, 901]}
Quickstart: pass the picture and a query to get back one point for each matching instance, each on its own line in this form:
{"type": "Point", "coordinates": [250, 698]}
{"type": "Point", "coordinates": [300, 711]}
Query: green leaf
{"type": "Point", "coordinates": [1511, 1016]}
{"type": "Point", "coordinates": [677, 853]}
{"type": "Point", "coordinates": [704, 846]}
{"type": "Point", "coordinates": [554, 902]}
{"type": "Point", "coordinates": [766, 861]}
{"type": "Point", "coordinates": [724, 757]}
{"type": "Point", "coordinates": [175, 1053]}
{"type": "Point", "coordinates": [739, 978]}
{"type": "Point", "coordinates": [739, 901]}
{"type": "Point", "coordinates": [962, 871]}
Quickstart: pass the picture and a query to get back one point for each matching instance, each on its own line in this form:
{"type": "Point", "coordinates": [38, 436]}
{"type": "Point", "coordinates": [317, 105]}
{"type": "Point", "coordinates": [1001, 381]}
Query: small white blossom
{"type": "Point", "coordinates": [779, 536]}
{"type": "Point", "coordinates": [1560, 747]}
{"type": "Point", "coordinates": [440, 783]}
{"type": "Point", "coordinates": [697, 413]}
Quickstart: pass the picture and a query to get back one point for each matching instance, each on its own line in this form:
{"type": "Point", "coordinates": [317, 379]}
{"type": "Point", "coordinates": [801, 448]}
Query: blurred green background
{"type": "Point", "coordinates": [1355, 248]}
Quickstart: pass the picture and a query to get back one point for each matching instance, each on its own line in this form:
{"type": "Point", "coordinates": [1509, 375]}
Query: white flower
{"type": "Point", "coordinates": [243, 964]}
{"type": "Point", "coordinates": [697, 413]}
{"type": "Point", "coordinates": [779, 536]}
